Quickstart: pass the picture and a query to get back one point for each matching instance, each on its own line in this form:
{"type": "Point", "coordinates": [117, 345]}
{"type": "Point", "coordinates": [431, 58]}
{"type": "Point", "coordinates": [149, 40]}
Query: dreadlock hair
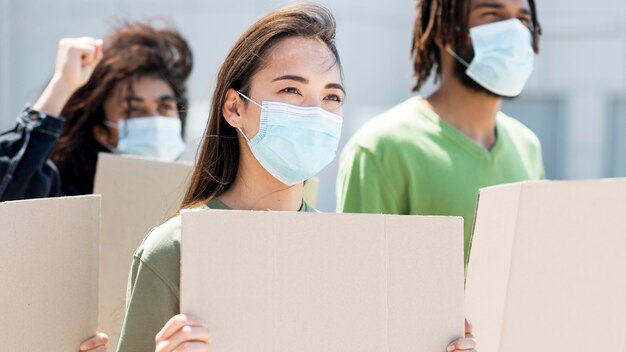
{"type": "Point", "coordinates": [446, 20]}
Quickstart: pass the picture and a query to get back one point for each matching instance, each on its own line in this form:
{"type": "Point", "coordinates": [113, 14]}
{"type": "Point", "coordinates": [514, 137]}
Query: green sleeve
{"type": "Point", "coordinates": [363, 184]}
{"type": "Point", "coordinates": [150, 303]}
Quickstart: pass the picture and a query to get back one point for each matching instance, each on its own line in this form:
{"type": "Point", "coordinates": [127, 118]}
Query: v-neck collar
{"type": "Point", "coordinates": [461, 138]}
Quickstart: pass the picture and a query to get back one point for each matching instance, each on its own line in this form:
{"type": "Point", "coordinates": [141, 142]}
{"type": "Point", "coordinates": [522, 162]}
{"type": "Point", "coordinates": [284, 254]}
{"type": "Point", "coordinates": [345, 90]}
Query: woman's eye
{"type": "Point", "coordinates": [333, 97]}
{"type": "Point", "coordinates": [525, 21]}
{"type": "Point", "coordinates": [291, 90]}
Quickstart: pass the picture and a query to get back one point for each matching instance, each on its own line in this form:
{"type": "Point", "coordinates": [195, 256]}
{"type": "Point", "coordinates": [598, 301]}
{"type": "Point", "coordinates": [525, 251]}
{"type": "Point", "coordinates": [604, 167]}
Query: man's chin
{"type": "Point", "coordinates": [467, 82]}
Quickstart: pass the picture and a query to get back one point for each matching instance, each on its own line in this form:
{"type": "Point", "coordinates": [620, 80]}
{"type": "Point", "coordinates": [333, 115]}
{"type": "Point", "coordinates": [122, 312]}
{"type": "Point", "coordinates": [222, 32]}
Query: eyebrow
{"type": "Point", "coordinates": [306, 81]}
{"type": "Point", "coordinates": [291, 78]}
{"type": "Point", "coordinates": [335, 86]}
{"type": "Point", "coordinates": [159, 99]}
{"type": "Point", "coordinates": [495, 5]}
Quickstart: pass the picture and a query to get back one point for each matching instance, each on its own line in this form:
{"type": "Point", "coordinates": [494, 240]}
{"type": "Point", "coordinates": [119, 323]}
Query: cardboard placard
{"type": "Point", "coordinates": [547, 271]}
{"type": "Point", "coordinates": [284, 282]}
{"type": "Point", "coordinates": [49, 273]}
{"type": "Point", "coordinates": [137, 195]}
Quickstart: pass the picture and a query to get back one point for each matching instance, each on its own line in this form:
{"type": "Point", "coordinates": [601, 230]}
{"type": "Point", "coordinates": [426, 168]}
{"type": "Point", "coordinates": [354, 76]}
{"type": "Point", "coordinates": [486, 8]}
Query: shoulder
{"type": "Point", "coordinates": [405, 128]}
{"type": "Point", "coordinates": [160, 250]}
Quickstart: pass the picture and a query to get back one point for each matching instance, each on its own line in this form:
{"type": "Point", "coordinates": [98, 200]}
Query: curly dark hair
{"type": "Point", "coordinates": [131, 51]}
{"type": "Point", "coordinates": [448, 20]}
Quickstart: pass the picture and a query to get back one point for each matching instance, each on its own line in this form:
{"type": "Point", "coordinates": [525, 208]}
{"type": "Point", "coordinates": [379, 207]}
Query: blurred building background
{"type": "Point", "coordinates": [575, 102]}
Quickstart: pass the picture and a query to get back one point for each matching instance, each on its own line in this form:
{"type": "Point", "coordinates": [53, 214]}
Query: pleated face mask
{"type": "Point", "coordinates": [156, 136]}
{"type": "Point", "coordinates": [294, 143]}
{"type": "Point", "coordinates": [503, 57]}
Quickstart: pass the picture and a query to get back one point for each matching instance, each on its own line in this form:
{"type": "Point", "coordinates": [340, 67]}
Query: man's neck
{"type": "Point", "coordinates": [473, 113]}
{"type": "Point", "coordinates": [255, 189]}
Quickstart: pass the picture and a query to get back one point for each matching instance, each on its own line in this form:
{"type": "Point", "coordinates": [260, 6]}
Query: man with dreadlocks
{"type": "Point", "coordinates": [430, 155]}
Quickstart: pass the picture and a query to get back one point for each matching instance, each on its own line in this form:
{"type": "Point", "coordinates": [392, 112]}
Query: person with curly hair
{"type": "Point", "coordinates": [124, 94]}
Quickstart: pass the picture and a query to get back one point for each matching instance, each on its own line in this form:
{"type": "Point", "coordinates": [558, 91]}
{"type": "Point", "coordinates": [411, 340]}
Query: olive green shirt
{"type": "Point", "coordinates": [153, 294]}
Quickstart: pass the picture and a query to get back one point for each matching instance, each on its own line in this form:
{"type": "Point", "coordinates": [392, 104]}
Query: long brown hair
{"type": "Point", "coordinates": [131, 51]}
{"type": "Point", "coordinates": [448, 20]}
{"type": "Point", "coordinates": [218, 159]}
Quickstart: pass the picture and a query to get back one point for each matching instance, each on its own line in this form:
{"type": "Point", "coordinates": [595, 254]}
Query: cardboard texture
{"type": "Point", "coordinates": [49, 273]}
{"type": "Point", "coordinates": [137, 195]}
{"type": "Point", "coordinates": [284, 282]}
{"type": "Point", "coordinates": [547, 270]}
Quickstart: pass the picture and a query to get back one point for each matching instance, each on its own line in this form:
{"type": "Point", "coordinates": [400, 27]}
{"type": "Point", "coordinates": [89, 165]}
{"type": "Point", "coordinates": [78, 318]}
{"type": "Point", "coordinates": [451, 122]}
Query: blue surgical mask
{"type": "Point", "coordinates": [294, 143]}
{"type": "Point", "coordinates": [503, 57]}
{"type": "Point", "coordinates": [156, 137]}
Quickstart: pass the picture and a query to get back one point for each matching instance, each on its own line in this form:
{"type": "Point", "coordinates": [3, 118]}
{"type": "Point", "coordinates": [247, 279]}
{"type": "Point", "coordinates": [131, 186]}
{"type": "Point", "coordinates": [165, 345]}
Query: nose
{"type": "Point", "coordinates": [152, 111]}
{"type": "Point", "coordinates": [312, 101]}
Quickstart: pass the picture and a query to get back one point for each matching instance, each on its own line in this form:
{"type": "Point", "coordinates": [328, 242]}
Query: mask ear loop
{"type": "Point", "coordinates": [253, 102]}
{"type": "Point", "coordinates": [460, 59]}
{"type": "Point", "coordinates": [250, 100]}
{"type": "Point", "coordinates": [243, 134]}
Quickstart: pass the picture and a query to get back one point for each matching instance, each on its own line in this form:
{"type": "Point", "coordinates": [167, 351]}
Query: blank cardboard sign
{"type": "Point", "coordinates": [49, 273]}
{"type": "Point", "coordinates": [284, 282]}
{"type": "Point", "coordinates": [547, 270]}
{"type": "Point", "coordinates": [137, 195]}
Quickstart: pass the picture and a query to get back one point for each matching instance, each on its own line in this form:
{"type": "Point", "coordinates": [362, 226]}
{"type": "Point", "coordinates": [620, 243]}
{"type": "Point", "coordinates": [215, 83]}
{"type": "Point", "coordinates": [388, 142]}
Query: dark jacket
{"type": "Point", "coordinates": [26, 170]}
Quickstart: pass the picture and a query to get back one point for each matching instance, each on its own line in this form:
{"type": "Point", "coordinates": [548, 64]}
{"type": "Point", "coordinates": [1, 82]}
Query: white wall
{"type": "Point", "coordinates": [573, 99]}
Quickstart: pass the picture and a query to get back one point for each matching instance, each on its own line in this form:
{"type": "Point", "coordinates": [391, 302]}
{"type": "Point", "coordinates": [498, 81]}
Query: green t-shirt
{"type": "Point", "coordinates": [153, 293]}
{"type": "Point", "coordinates": [410, 161]}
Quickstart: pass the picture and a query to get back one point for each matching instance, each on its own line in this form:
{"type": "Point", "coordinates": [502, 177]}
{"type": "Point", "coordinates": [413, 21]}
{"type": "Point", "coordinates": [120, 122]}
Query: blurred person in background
{"type": "Point", "coordinates": [430, 156]}
{"type": "Point", "coordinates": [124, 94]}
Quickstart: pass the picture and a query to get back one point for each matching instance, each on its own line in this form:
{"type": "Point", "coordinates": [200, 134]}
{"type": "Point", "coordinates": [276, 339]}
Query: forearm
{"type": "Point", "coordinates": [54, 97]}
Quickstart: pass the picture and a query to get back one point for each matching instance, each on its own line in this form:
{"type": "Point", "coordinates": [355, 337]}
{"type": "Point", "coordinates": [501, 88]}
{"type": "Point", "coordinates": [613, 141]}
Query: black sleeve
{"type": "Point", "coordinates": [25, 168]}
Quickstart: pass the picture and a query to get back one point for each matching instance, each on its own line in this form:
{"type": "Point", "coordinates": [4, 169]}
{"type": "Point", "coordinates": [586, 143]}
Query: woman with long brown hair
{"type": "Point", "coordinates": [275, 121]}
{"type": "Point", "coordinates": [125, 95]}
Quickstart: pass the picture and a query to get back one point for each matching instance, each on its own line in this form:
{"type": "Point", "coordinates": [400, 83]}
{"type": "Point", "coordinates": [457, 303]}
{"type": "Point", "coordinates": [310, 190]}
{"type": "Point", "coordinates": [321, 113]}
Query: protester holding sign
{"type": "Point", "coordinates": [431, 156]}
{"type": "Point", "coordinates": [125, 94]}
{"type": "Point", "coordinates": [275, 121]}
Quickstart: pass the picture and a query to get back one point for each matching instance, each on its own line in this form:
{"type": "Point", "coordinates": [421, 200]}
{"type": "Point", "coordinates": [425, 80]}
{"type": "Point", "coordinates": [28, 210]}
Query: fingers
{"type": "Point", "coordinates": [98, 44]}
{"type": "Point", "coordinates": [176, 323]}
{"type": "Point", "coordinates": [188, 338]}
{"type": "Point", "coordinates": [90, 51]}
{"type": "Point", "coordinates": [97, 349]}
{"type": "Point", "coordinates": [465, 344]}
{"type": "Point", "coordinates": [95, 343]}
{"type": "Point", "coordinates": [191, 347]}
{"type": "Point", "coordinates": [183, 333]}
{"type": "Point", "coordinates": [86, 50]}
{"type": "Point", "coordinates": [468, 329]}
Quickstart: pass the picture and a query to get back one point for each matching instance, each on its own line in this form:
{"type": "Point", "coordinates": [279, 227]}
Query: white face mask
{"type": "Point", "coordinates": [157, 137]}
{"type": "Point", "coordinates": [503, 57]}
{"type": "Point", "coordinates": [294, 143]}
